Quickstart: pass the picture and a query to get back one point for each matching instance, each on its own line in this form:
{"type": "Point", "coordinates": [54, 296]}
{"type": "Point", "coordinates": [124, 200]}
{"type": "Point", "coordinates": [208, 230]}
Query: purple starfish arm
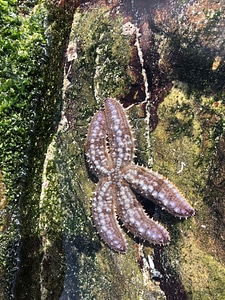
{"type": "Point", "coordinates": [136, 220]}
{"type": "Point", "coordinates": [95, 146]}
{"type": "Point", "coordinates": [104, 216]}
{"type": "Point", "coordinates": [160, 190]}
{"type": "Point", "coordinates": [119, 134]}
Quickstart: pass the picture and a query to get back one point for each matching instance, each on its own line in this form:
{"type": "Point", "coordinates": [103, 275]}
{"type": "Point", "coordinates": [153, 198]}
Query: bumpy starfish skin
{"type": "Point", "coordinates": [99, 160]}
{"type": "Point", "coordinates": [162, 192]}
{"type": "Point", "coordinates": [110, 151]}
{"type": "Point", "coordinates": [103, 213]}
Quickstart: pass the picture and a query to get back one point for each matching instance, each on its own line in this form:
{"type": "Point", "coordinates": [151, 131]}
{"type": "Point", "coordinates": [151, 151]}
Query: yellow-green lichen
{"type": "Point", "coordinates": [184, 146]}
{"type": "Point", "coordinates": [202, 274]}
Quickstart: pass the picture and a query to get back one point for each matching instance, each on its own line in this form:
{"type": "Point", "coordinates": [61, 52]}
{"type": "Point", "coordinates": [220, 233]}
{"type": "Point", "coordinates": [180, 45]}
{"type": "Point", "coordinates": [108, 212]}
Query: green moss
{"type": "Point", "coordinates": [31, 44]}
{"type": "Point", "coordinates": [23, 53]}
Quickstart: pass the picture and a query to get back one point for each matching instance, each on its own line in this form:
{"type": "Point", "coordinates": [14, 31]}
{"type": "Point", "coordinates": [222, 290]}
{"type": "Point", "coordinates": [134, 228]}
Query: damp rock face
{"type": "Point", "coordinates": [165, 61]}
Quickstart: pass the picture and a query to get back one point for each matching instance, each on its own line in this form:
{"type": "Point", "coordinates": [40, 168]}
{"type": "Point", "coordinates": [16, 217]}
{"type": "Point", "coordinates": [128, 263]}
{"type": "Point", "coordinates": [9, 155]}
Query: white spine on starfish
{"type": "Point", "coordinates": [104, 216]}
{"type": "Point", "coordinates": [136, 220]}
{"type": "Point", "coordinates": [95, 147]}
{"type": "Point", "coordinates": [151, 184]}
{"type": "Point", "coordinates": [119, 134]}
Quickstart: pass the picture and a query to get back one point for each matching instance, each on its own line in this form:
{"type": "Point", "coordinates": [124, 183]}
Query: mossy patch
{"type": "Point", "coordinates": [202, 275]}
{"type": "Point", "coordinates": [184, 144]}
{"type": "Point", "coordinates": [103, 54]}
{"type": "Point", "coordinates": [23, 46]}
{"type": "Point", "coordinates": [31, 44]}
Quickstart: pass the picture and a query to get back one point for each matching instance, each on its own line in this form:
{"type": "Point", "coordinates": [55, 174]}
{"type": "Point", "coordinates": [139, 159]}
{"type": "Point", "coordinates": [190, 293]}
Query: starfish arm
{"type": "Point", "coordinates": [136, 220]}
{"type": "Point", "coordinates": [119, 133]}
{"type": "Point", "coordinates": [95, 146]}
{"type": "Point", "coordinates": [104, 216]}
{"type": "Point", "coordinates": [160, 190]}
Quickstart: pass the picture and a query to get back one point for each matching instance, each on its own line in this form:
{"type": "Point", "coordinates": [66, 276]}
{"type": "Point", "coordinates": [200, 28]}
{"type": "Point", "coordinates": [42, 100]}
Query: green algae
{"type": "Point", "coordinates": [42, 244]}
{"type": "Point", "coordinates": [22, 50]}
{"type": "Point", "coordinates": [31, 45]}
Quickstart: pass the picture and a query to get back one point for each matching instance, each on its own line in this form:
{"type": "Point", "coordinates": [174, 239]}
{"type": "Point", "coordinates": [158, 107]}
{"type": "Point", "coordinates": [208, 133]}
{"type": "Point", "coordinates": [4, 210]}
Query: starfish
{"type": "Point", "coordinates": [110, 152]}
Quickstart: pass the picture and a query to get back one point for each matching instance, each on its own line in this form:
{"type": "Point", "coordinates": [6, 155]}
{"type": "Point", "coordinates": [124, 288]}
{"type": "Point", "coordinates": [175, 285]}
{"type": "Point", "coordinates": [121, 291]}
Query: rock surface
{"type": "Point", "coordinates": [168, 59]}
